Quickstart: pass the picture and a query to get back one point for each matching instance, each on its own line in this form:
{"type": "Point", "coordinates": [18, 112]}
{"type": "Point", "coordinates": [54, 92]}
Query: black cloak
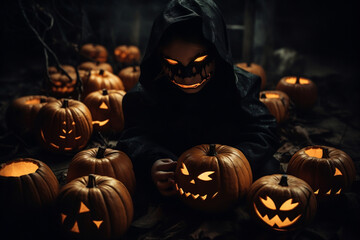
{"type": "Point", "coordinates": [161, 121]}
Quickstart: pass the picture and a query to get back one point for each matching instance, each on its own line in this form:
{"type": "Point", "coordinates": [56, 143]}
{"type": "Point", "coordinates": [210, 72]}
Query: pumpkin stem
{"type": "Point", "coordinates": [101, 72]}
{"type": "Point", "coordinates": [263, 95]}
{"type": "Point", "coordinates": [248, 64]}
{"type": "Point", "coordinates": [91, 181]}
{"type": "Point", "coordinates": [105, 92]}
{"type": "Point", "coordinates": [283, 181]}
{"type": "Point", "coordinates": [297, 80]}
{"type": "Point", "coordinates": [65, 103]}
{"type": "Point", "coordinates": [134, 68]}
{"type": "Point", "coordinates": [101, 152]}
{"type": "Point", "coordinates": [325, 153]}
{"type": "Point", "coordinates": [42, 100]}
{"type": "Point", "coordinates": [212, 151]}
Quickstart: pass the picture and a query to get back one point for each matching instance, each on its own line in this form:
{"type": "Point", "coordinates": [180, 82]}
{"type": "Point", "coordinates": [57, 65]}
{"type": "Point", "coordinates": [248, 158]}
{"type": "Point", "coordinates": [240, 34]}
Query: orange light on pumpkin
{"type": "Point", "coordinates": [17, 169]}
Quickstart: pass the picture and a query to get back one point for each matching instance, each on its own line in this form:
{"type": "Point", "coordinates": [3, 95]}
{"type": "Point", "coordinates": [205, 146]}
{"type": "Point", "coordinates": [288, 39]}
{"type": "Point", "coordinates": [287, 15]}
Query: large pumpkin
{"type": "Point", "coordinates": [282, 202]}
{"type": "Point", "coordinates": [302, 91]}
{"type": "Point", "coordinates": [329, 171]}
{"type": "Point", "coordinates": [127, 54]}
{"type": "Point", "coordinates": [61, 84]}
{"type": "Point", "coordinates": [212, 178]}
{"type": "Point", "coordinates": [64, 125]}
{"type": "Point", "coordinates": [99, 79]}
{"type": "Point", "coordinates": [87, 66]}
{"type": "Point", "coordinates": [278, 104]}
{"type": "Point", "coordinates": [28, 190]}
{"type": "Point", "coordinates": [94, 52]}
{"type": "Point", "coordinates": [22, 112]}
{"type": "Point", "coordinates": [103, 161]}
{"type": "Point", "coordinates": [106, 110]}
{"type": "Point", "coordinates": [254, 69]}
{"type": "Point", "coordinates": [130, 76]}
{"type": "Point", "coordinates": [95, 207]}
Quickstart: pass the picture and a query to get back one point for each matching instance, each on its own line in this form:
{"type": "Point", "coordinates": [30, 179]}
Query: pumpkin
{"type": "Point", "coordinates": [64, 125]}
{"type": "Point", "coordinates": [95, 207]}
{"type": "Point", "coordinates": [22, 112]}
{"type": "Point", "coordinates": [281, 202]}
{"type": "Point", "coordinates": [103, 161]}
{"type": "Point", "coordinates": [130, 76]}
{"type": "Point", "coordinates": [94, 52]}
{"type": "Point", "coordinates": [61, 84]}
{"type": "Point", "coordinates": [127, 54]}
{"type": "Point", "coordinates": [329, 171]}
{"type": "Point", "coordinates": [212, 178]}
{"type": "Point", "coordinates": [106, 110]}
{"type": "Point", "coordinates": [99, 79]}
{"type": "Point", "coordinates": [87, 66]}
{"type": "Point", "coordinates": [254, 69]}
{"type": "Point", "coordinates": [302, 91]}
{"type": "Point", "coordinates": [28, 191]}
{"type": "Point", "coordinates": [278, 104]}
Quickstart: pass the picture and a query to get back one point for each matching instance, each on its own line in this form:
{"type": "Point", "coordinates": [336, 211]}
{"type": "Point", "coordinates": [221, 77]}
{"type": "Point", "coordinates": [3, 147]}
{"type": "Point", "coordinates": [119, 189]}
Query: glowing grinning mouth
{"type": "Point", "coordinates": [276, 220]}
{"type": "Point", "coordinates": [195, 85]}
{"type": "Point", "coordinates": [194, 196]}
{"type": "Point", "coordinates": [100, 123]}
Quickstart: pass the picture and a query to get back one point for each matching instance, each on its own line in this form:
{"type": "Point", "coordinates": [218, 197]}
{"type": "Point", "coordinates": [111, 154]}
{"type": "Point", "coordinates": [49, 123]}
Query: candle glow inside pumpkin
{"type": "Point", "coordinates": [17, 169]}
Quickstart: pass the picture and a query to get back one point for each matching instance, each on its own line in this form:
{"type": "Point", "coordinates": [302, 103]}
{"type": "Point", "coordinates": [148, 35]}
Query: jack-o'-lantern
{"type": "Point", "coordinates": [212, 178]}
{"type": "Point", "coordinates": [60, 84]}
{"type": "Point", "coordinates": [278, 104]}
{"type": "Point", "coordinates": [254, 69]}
{"type": "Point", "coordinates": [96, 80]}
{"type": "Point", "coordinates": [302, 91]}
{"type": "Point", "coordinates": [130, 76]}
{"type": "Point", "coordinates": [64, 125]}
{"type": "Point", "coordinates": [329, 171]}
{"type": "Point", "coordinates": [282, 202]}
{"type": "Point", "coordinates": [103, 161]}
{"type": "Point", "coordinates": [94, 207]}
{"type": "Point", "coordinates": [94, 52]}
{"type": "Point", "coordinates": [22, 112]}
{"type": "Point", "coordinates": [87, 66]}
{"type": "Point", "coordinates": [106, 110]}
{"type": "Point", "coordinates": [28, 190]}
{"type": "Point", "coordinates": [127, 54]}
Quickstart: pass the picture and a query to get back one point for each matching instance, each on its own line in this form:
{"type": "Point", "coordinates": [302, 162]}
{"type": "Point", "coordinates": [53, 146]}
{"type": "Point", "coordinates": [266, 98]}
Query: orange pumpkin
{"type": "Point", "coordinates": [94, 52]}
{"type": "Point", "coordinates": [127, 54]}
{"type": "Point", "coordinates": [87, 66]}
{"type": "Point", "coordinates": [62, 85]}
{"type": "Point", "coordinates": [254, 69]}
{"type": "Point", "coordinates": [278, 104]}
{"type": "Point", "coordinates": [130, 76]}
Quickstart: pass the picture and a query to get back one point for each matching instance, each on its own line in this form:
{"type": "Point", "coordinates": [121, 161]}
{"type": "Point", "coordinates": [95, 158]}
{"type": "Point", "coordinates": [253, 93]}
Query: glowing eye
{"type": "Point", "coordinates": [73, 123]}
{"type": "Point", "coordinates": [288, 205]}
{"type": "Point", "coordinates": [268, 203]}
{"type": "Point", "coordinates": [83, 208]}
{"type": "Point", "coordinates": [200, 59]}
{"type": "Point", "coordinates": [170, 61]}
{"type": "Point", "coordinates": [184, 170]}
{"type": "Point", "coordinates": [64, 122]}
{"type": "Point", "coordinates": [205, 176]}
{"type": "Point", "coordinates": [337, 172]}
{"type": "Point", "coordinates": [103, 106]}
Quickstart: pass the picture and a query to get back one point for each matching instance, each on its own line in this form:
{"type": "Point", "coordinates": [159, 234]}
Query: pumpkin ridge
{"type": "Point", "coordinates": [40, 173]}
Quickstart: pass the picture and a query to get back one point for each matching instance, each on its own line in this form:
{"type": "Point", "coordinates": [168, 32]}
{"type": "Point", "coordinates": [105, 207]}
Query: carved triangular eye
{"type": "Point", "coordinates": [63, 216]}
{"type": "Point", "coordinates": [103, 106]}
{"type": "Point", "coordinates": [83, 208]}
{"type": "Point", "coordinates": [184, 169]}
{"type": "Point", "coordinates": [288, 205]}
{"type": "Point", "coordinates": [337, 172]}
{"type": "Point", "coordinates": [201, 58]}
{"type": "Point", "coordinates": [269, 203]}
{"type": "Point", "coordinates": [75, 228]}
{"type": "Point", "coordinates": [205, 176]}
{"type": "Point", "coordinates": [171, 61]}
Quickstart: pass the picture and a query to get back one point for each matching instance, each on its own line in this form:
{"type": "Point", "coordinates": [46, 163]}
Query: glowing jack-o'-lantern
{"type": "Point", "coordinates": [106, 110]}
{"type": "Point", "coordinates": [99, 79]}
{"type": "Point", "coordinates": [103, 161]}
{"type": "Point", "coordinates": [282, 202]}
{"type": "Point", "coordinates": [329, 171]}
{"type": "Point", "coordinates": [127, 54]}
{"type": "Point", "coordinates": [130, 76]}
{"type": "Point", "coordinates": [94, 52]}
{"type": "Point", "coordinates": [212, 177]}
{"type": "Point", "coordinates": [254, 69]}
{"type": "Point", "coordinates": [87, 66]}
{"type": "Point", "coordinates": [278, 104]}
{"type": "Point", "coordinates": [94, 207]}
{"type": "Point", "coordinates": [302, 91]}
{"type": "Point", "coordinates": [28, 190]}
{"type": "Point", "coordinates": [61, 84]}
{"type": "Point", "coordinates": [64, 125]}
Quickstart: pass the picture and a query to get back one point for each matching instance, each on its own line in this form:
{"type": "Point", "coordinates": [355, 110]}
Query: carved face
{"type": "Point", "coordinates": [188, 65]}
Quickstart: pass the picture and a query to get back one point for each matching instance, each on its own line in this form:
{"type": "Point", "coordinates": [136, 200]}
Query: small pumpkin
{"type": "Point", "coordinates": [278, 104]}
{"type": "Point", "coordinates": [329, 171]}
{"type": "Point", "coordinates": [94, 207]}
{"type": "Point", "coordinates": [22, 112]}
{"type": "Point", "coordinates": [212, 177]}
{"type": "Point", "coordinates": [99, 79]}
{"type": "Point", "coordinates": [302, 91]}
{"type": "Point", "coordinates": [106, 110]}
{"type": "Point", "coordinates": [254, 69]}
{"type": "Point", "coordinates": [103, 161]}
{"type": "Point", "coordinates": [61, 84]}
{"type": "Point", "coordinates": [94, 52]}
{"type": "Point", "coordinates": [127, 54]}
{"type": "Point", "coordinates": [282, 202]}
{"type": "Point", "coordinates": [130, 76]}
{"type": "Point", "coordinates": [87, 66]}
{"type": "Point", "coordinates": [64, 125]}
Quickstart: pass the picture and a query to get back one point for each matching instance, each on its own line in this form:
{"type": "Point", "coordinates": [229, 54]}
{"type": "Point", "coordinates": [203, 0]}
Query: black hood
{"type": "Point", "coordinates": [213, 29]}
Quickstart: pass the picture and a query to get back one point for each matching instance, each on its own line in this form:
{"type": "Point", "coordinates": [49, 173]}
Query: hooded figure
{"type": "Point", "coordinates": [190, 93]}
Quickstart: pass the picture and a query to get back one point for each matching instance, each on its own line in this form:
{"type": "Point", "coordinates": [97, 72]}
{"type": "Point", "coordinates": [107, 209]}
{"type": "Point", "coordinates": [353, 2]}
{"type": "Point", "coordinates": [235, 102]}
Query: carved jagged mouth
{"type": "Point", "coordinates": [276, 220]}
{"type": "Point", "coordinates": [191, 86]}
{"type": "Point", "coordinates": [194, 196]}
{"type": "Point", "coordinates": [101, 123]}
